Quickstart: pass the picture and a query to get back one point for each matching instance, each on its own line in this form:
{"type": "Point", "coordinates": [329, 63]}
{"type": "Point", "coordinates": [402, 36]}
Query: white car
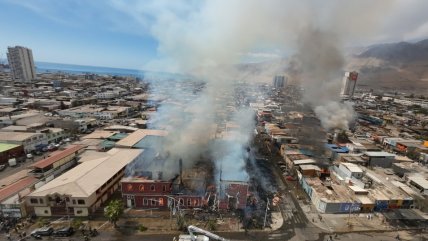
{"type": "Point", "coordinates": [29, 156]}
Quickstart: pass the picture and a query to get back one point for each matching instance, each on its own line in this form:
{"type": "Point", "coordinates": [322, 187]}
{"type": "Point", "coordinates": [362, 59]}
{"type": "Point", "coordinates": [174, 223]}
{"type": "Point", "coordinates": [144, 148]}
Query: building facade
{"type": "Point", "coordinates": [348, 84]}
{"type": "Point", "coordinates": [279, 81]}
{"type": "Point", "coordinates": [147, 194]}
{"type": "Point", "coordinates": [21, 64]}
{"type": "Point", "coordinates": [83, 189]}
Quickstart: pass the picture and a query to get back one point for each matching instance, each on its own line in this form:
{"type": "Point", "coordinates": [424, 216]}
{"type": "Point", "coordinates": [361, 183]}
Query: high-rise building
{"type": "Point", "coordinates": [21, 64]}
{"type": "Point", "coordinates": [279, 81]}
{"type": "Point", "coordinates": [348, 84]}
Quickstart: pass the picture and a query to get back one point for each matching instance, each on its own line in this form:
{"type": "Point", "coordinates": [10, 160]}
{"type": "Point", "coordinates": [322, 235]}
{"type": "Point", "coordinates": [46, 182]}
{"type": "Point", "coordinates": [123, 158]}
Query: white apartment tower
{"type": "Point", "coordinates": [21, 64]}
{"type": "Point", "coordinates": [348, 84]}
{"type": "Point", "coordinates": [279, 81]}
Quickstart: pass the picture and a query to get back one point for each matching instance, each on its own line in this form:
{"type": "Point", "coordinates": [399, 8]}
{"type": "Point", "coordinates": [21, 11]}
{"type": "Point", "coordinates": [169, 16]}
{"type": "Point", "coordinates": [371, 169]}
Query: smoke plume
{"type": "Point", "coordinates": [209, 38]}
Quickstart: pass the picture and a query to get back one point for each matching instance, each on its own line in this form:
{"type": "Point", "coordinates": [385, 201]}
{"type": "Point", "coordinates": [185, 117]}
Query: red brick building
{"type": "Point", "coordinates": [233, 195]}
{"type": "Point", "coordinates": [145, 193]}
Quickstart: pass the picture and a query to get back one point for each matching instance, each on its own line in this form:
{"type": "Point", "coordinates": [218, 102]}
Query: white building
{"type": "Point", "coordinates": [279, 81]}
{"type": "Point", "coordinates": [107, 95]}
{"type": "Point", "coordinates": [350, 170]}
{"type": "Point", "coordinates": [28, 140]}
{"type": "Point", "coordinates": [348, 84]}
{"type": "Point", "coordinates": [83, 189]}
{"type": "Point", "coordinates": [21, 64]}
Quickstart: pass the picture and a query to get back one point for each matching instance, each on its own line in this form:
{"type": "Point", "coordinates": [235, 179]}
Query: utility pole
{"type": "Point", "coordinates": [267, 208]}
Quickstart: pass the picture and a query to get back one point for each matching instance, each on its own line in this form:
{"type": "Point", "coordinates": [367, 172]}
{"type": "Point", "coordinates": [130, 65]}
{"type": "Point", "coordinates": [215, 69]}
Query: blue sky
{"type": "Point", "coordinates": [158, 34]}
{"type": "Point", "coordinates": [70, 34]}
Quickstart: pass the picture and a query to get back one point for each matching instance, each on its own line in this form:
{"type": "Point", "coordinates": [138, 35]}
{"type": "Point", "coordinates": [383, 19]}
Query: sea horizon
{"type": "Point", "coordinates": [50, 67]}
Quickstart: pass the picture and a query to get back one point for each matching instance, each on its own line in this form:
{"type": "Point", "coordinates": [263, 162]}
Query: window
{"type": "Point", "coordinates": [152, 187]}
{"type": "Point", "coordinates": [79, 212]}
{"type": "Point", "coordinates": [164, 188]}
{"type": "Point", "coordinates": [145, 202]}
{"type": "Point", "coordinates": [195, 202]}
{"type": "Point", "coordinates": [46, 212]}
{"type": "Point", "coordinates": [34, 200]}
{"type": "Point", "coordinates": [41, 200]}
{"type": "Point", "coordinates": [189, 202]}
{"type": "Point", "coordinates": [181, 201]}
{"type": "Point", "coordinates": [153, 202]}
{"type": "Point", "coordinates": [74, 201]}
{"type": "Point", "coordinates": [80, 201]}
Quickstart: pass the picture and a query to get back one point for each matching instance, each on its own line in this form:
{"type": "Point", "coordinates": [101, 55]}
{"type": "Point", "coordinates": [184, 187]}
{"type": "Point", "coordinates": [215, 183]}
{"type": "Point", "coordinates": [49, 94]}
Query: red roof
{"type": "Point", "coordinates": [16, 187]}
{"type": "Point", "coordinates": [56, 156]}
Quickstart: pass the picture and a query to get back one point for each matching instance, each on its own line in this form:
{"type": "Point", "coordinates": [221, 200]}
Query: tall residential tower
{"type": "Point", "coordinates": [21, 64]}
{"type": "Point", "coordinates": [348, 84]}
{"type": "Point", "coordinates": [279, 81]}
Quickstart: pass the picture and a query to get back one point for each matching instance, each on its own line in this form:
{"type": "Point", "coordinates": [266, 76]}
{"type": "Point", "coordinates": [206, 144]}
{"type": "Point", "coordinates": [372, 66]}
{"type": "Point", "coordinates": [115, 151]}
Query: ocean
{"type": "Point", "coordinates": [44, 67]}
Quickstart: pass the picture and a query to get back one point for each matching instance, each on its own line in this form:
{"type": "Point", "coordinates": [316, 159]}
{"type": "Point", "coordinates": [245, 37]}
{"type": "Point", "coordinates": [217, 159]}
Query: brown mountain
{"type": "Point", "coordinates": [399, 67]}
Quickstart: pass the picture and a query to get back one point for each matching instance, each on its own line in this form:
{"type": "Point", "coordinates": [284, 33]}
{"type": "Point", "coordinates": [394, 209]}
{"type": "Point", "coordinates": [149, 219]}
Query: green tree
{"type": "Point", "coordinates": [114, 211]}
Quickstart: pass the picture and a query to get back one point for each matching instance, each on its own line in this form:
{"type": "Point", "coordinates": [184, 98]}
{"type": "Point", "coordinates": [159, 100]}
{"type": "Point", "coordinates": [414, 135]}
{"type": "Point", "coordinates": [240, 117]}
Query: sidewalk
{"type": "Point", "coordinates": [161, 221]}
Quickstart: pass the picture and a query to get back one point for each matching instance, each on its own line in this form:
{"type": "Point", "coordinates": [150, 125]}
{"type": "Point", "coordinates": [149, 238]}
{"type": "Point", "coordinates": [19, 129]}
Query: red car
{"type": "Point", "coordinates": [290, 178]}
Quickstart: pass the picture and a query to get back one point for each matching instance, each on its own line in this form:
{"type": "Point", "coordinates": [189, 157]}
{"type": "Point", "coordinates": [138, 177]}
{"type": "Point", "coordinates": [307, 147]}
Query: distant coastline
{"type": "Point", "coordinates": [46, 67]}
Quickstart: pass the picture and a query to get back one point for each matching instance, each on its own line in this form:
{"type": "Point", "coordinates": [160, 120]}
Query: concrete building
{"type": "Point", "coordinates": [80, 191]}
{"type": "Point", "coordinates": [378, 158]}
{"type": "Point", "coordinates": [349, 170]}
{"type": "Point", "coordinates": [142, 138]}
{"type": "Point", "coordinates": [8, 151]}
{"type": "Point", "coordinates": [419, 182]}
{"type": "Point", "coordinates": [146, 193]}
{"type": "Point", "coordinates": [56, 164]}
{"type": "Point", "coordinates": [107, 95]}
{"type": "Point", "coordinates": [21, 64]}
{"type": "Point", "coordinates": [29, 141]}
{"type": "Point", "coordinates": [14, 188]}
{"type": "Point", "coordinates": [279, 81]}
{"type": "Point", "coordinates": [348, 84]}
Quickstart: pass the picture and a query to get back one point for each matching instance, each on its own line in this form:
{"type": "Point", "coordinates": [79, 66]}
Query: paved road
{"type": "Point", "coordinates": [301, 234]}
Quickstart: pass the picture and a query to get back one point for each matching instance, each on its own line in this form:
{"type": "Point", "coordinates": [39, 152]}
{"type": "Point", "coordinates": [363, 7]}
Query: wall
{"type": "Point", "coordinates": [81, 212]}
{"type": "Point", "coordinates": [42, 211]}
{"type": "Point", "coordinates": [385, 162]}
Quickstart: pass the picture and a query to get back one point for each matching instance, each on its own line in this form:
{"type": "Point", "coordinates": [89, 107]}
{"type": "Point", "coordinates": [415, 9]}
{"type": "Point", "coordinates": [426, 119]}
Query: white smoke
{"type": "Point", "coordinates": [207, 39]}
{"type": "Point", "coordinates": [335, 114]}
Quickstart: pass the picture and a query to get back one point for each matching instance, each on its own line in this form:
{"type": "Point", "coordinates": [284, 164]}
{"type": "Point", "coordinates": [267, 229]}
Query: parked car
{"type": "Point", "coordinates": [29, 156]}
{"type": "Point", "coordinates": [63, 232]}
{"type": "Point", "coordinates": [2, 167]}
{"type": "Point", "coordinates": [45, 231]}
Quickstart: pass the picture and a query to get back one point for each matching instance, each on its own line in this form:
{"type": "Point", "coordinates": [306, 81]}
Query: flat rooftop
{"type": "Point", "coordinates": [17, 136]}
{"type": "Point", "coordinates": [138, 135]}
{"type": "Point", "coordinates": [6, 147]}
{"type": "Point", "coordinates": [379, 154]}
{"type": "Point", "coordinates": [16, 187]}
{"type": "Point", "coordinates": [57, 156]}
{"type": "Point", "coordinates": [99, 134]}
{"type": "Point", "coordinates": [87, 177]}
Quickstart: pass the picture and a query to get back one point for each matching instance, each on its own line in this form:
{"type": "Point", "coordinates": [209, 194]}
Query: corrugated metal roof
{"type": "Point", "coordinates": [16, 187]}
{"type": "Point", "coordinates": [57, 156]}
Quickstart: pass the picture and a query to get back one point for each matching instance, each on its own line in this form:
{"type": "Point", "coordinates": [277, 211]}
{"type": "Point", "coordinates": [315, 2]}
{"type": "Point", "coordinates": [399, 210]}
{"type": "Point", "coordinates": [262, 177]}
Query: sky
{"type": "Point", "coordinates": [142, 34]}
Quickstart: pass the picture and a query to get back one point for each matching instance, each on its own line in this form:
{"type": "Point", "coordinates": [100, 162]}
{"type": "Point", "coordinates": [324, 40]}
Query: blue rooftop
{"type": "Point", "coordinates": [337, 149]}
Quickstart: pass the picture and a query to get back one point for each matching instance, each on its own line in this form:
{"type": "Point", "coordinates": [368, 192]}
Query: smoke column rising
{"type": "Point", "coordinates": [207, 38]}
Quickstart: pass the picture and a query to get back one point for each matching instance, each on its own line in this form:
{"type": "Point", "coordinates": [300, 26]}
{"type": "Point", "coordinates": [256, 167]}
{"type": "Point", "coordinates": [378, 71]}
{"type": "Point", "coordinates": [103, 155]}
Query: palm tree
{"type": "Point", "coordinates": [114, 211]}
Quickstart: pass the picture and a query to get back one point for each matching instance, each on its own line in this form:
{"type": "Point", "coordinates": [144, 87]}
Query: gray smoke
{"type": "Point", "coordinates": [321, 63]}
{"type": "Point", "coordinates": [208, 38]}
